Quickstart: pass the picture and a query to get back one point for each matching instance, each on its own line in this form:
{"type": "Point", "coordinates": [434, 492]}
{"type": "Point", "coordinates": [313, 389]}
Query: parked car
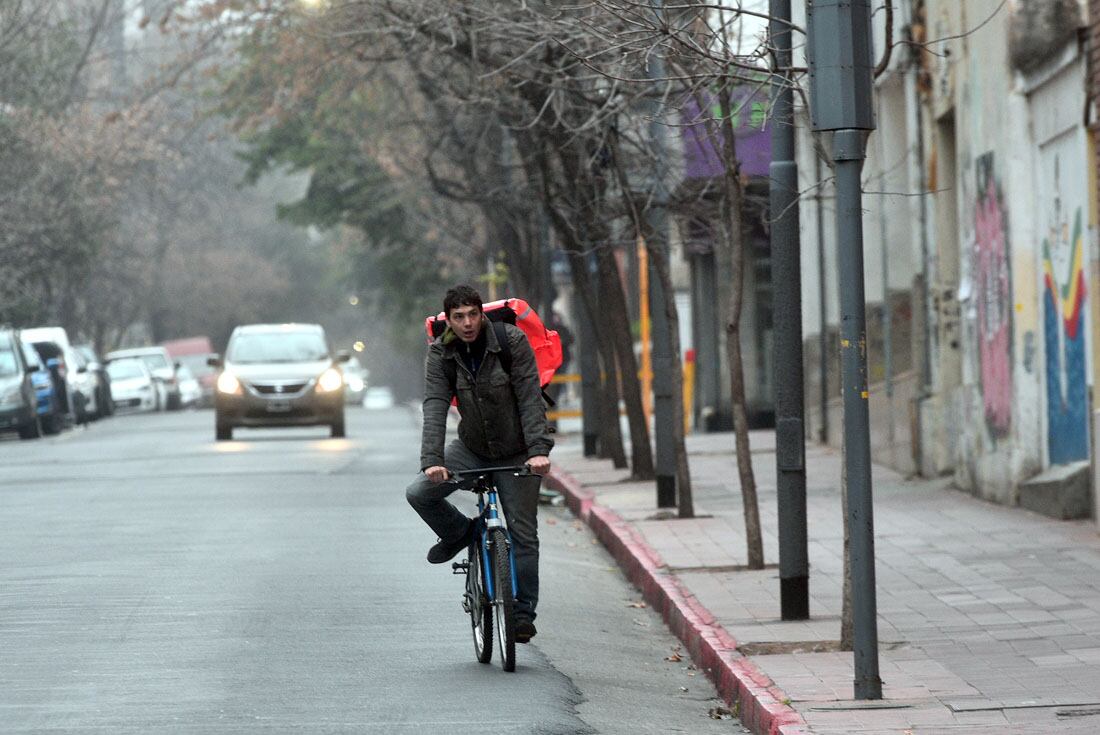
{"type": "Point", "coordinates": [279, 375]}
{"type": "Point", "coordinates": [190, 390]}
{"type": "Point", "coordinates": [49, 410]}
{"type": "Point", "coordinates": [96, 366]}
{"type": "Point", "coordinates": [355, 381]}
{"type": "Point", "coordinates": [132, 384]}
{"type": "Point", "coordinates": [162, 367]}
{"type": "Point", "coordinates": [193, 354]}
{"type": "Point", "coordinates": [74, 384]}
{"type": "Point", "coordinates": [18, 399]}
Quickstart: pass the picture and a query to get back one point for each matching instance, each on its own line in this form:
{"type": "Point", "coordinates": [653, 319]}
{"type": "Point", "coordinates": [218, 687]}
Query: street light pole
{"type": "Point", "coordinates": [790, 441]}
{"type": "Point", "coordinates": [664, 362]}
{"type": "Point", "coordinates": [840, 66]}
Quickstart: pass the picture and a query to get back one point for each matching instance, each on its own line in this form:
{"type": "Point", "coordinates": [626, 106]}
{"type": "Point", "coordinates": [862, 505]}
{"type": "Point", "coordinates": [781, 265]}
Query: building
{"type": "Point", "coordinates": [980, 207]}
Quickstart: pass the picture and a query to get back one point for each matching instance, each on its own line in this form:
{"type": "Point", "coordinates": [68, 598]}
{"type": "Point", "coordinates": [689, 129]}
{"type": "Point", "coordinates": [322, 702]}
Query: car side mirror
{"type": "Point", "coordinates": [343, 356]}
{"type": "Point", "coordinates": [32, 369]}
{"type": "Point", "coordinates": [177, 365]}
{"type": "Point", "coordinates": [82, 369]}
{"type": "Point", "coordinates": [215, 361]}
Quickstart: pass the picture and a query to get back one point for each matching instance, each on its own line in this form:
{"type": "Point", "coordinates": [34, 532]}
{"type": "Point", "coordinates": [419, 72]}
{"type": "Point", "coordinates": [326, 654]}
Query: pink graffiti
{"type": "Point", "coordinates": [994, 305]}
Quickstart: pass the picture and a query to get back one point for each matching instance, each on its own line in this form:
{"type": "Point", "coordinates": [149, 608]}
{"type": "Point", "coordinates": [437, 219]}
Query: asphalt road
{"type": "Point", "coordinates": [152, 580]}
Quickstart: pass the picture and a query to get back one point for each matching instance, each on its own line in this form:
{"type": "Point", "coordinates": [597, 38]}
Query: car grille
{"type": "Point", "coordinates": [280, 388]}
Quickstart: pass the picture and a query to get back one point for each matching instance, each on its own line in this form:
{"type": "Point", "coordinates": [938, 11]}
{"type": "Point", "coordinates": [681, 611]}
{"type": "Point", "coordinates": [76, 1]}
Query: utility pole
{"type": "Point", "coordinates": [664, 413]}
{"type": "Point", "coordinates": [840, 64]}
{"type": "Point", "coordinates": [790, 438]}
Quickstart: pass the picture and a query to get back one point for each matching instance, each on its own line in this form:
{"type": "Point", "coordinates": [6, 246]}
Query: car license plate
{"type": "Point", "coordinates": [278, 406]}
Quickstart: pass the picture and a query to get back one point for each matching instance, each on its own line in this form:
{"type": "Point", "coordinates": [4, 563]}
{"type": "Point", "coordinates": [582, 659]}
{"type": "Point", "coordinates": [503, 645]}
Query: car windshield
{"type": "Point", "coordinates": [8, 363]}
{"type": "Point", "coordinates": [123, 369]}
{"type": "Point", "coordinates": [32, 356]}
{"type": "Point", "coordinates": [155, 361]}
{"type": "Point", "coordinates": [262, 347]}
{"type": "Point", "coordinates": [196, 364]}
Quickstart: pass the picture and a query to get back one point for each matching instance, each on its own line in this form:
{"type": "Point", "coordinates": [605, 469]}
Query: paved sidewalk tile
{"type": "Point", "coordinates": [989, 617]}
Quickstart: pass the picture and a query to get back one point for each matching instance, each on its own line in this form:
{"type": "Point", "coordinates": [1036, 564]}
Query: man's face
{"type": "Point", "coordinates": [466, 322]}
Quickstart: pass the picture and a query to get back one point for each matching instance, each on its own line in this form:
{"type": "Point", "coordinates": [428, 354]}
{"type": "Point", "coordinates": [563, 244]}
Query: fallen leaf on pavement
{"type": "Point", "coordinates": [639, 604]}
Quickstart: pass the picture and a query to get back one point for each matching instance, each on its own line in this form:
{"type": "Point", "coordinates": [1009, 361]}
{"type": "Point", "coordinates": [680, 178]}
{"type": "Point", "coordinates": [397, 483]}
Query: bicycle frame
{"type": "Point", "coordinates": [490, 516]}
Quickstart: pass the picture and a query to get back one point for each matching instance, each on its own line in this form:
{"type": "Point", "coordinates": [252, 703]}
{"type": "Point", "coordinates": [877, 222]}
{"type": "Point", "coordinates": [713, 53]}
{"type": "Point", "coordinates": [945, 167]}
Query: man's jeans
{"type": "Point", "coordinates": [519, 497]}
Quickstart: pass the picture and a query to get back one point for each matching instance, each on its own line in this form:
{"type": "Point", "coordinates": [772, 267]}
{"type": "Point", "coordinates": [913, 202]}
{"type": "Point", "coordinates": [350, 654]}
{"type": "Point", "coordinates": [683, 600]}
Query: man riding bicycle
{"type": "Point", "coordinates": [503, 422]}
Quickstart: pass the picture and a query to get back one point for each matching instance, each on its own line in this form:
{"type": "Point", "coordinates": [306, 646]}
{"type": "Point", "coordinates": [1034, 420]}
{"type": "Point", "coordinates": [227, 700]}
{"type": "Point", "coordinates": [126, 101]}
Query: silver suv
{"type": "Point", "coordinates": [278, 375]}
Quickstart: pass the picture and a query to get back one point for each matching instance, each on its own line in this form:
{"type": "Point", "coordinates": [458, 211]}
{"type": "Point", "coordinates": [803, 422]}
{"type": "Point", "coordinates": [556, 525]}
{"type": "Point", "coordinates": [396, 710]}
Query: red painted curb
{"type": "Point", "coordinates": [758, 700]}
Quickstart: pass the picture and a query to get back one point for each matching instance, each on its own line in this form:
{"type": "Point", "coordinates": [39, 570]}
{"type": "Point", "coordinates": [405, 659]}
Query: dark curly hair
{"type": "Point", "coordinates": [461, 295]}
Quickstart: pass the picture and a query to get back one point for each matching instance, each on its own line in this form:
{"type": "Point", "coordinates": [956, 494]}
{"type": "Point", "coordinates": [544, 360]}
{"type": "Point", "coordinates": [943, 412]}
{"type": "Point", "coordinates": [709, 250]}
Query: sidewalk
{"type": "Point", "coordinates": [989, 617]}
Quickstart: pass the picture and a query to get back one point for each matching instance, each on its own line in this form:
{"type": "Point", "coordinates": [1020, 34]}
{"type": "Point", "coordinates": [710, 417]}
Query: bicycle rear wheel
{"type": "Point", "coordinates": [481, 608]}
{"type": "Point", "coordinates": [503, 604]}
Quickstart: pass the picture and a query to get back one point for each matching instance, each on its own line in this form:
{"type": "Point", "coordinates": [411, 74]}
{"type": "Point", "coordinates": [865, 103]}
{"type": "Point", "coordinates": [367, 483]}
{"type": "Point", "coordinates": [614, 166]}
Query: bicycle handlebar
{"type": "Point", "coordinates": [467, 478]}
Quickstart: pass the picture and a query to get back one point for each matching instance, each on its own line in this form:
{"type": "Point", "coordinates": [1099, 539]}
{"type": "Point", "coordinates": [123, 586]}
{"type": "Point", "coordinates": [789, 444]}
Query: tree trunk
{"type": "Point", "coordinates": [735, 242]}
{"type": "Point", "coordinates": [613, 308]}
{"type": "Point", "coordinates": [611, 437]}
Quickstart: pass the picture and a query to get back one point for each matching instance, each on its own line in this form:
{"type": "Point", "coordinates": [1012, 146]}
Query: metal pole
{"type": "Point", "coordinates": [663, 360]}
{"type": "Point", "coordinates": [848, 154]}
{"type": "Point", "coordinates": [822, 307]}
{"type": "Point", "coordinates": [790, 455]}
{"type": "Point", "coordinates": [841, 73]}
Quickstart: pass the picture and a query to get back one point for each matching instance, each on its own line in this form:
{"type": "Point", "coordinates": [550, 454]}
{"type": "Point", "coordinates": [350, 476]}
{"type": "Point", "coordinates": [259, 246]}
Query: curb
{"type": "Point", "coordinates": [759, 702]}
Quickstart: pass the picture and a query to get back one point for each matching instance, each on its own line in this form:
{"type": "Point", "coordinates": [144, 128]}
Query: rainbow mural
{"type": "Point", "coordinates": [1064, 322]}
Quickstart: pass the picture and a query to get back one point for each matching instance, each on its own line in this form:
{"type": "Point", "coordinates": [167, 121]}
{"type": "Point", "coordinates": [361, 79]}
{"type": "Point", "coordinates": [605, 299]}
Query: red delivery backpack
{"type": "Point", "coordinates": [546, 343]}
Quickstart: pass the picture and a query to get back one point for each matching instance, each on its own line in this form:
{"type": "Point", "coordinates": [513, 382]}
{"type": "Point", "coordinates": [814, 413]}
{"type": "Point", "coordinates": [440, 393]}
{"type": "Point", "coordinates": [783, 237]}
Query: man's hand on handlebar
{"type": "Point", "coordinates": [437, 474]}
{"type": "Point", "coordinates": [539, 464]}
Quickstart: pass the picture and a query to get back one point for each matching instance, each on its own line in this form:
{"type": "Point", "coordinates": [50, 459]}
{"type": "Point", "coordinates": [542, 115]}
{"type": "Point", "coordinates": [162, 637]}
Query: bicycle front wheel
{"type": "Point", "coordinates": [503, 603]}
{"type": "Point", "coordinates": [481, 608]}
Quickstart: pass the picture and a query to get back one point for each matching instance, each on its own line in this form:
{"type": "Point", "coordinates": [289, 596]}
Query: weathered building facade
{"type": "Point", "coordinates": [979, 200]}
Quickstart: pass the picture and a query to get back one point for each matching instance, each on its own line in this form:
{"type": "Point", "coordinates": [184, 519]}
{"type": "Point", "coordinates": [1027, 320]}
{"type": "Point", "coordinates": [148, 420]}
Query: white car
{"type": "Point", "coordinates": [162, 367]}
{"type": "Point", "coordinates": [132, 385]}
{"type": "Point", "coordinates": [52, 343]}
{"type": "Point", "coordinates": [190, 390]}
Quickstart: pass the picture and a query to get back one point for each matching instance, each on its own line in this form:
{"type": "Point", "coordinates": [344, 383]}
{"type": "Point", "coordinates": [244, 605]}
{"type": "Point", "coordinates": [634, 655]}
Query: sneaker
{"type": "Point", "coordinates": [446, 550]}
{"type": "Point", "coordinates": [525, 630]}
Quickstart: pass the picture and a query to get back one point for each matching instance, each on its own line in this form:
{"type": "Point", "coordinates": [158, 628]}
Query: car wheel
{"type": "Point", "coordinates": [52, 424]}
{"type": "Point", "coordinates": [337, 431]}
{"type": "Point", "coordinates": [80, 415]}
{"type": "Point", "coordinates": [223, 432]}
{"type": "Point", "coordinates": [32, 430]}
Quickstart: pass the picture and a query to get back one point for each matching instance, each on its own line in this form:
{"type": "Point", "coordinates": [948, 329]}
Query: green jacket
{"type": "Point", "coordinates": [501, 415]}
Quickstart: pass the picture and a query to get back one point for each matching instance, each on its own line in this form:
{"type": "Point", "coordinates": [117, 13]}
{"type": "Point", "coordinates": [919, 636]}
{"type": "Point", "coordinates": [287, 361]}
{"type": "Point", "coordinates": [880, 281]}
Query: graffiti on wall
{"type": "Point", "coordinates": [1064, 322]}
{"type": "Point", "coordinates": [993, 286]}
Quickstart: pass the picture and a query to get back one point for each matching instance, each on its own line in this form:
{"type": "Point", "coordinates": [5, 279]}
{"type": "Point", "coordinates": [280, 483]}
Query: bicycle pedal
{"type": "Point", "coordinates": [460, 567]}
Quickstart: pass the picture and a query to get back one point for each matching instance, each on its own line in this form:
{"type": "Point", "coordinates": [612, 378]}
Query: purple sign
{"type": "Point", "coordinates": [702, 134]}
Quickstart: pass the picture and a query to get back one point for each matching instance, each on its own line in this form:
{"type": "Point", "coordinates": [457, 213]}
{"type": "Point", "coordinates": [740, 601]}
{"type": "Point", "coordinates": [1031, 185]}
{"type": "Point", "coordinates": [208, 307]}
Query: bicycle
{"type": "Point", "coordinates": [490, 568]}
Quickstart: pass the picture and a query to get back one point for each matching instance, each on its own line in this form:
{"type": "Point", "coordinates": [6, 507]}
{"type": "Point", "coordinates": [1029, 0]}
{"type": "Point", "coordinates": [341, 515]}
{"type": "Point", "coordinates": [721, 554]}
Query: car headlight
{"type": "Point", "coordinates": [228, 383]}
{"type": "Point", "coordinates": [355, 383]}
{"type": "Point", "coordinates": [330, 380]}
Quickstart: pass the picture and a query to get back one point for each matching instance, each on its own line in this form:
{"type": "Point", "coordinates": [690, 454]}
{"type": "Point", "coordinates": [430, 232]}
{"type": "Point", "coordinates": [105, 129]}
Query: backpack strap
{"type": "Point", "coordinates": [505, 348]}
{"type": "Point", "coordinates": [450, 369]}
